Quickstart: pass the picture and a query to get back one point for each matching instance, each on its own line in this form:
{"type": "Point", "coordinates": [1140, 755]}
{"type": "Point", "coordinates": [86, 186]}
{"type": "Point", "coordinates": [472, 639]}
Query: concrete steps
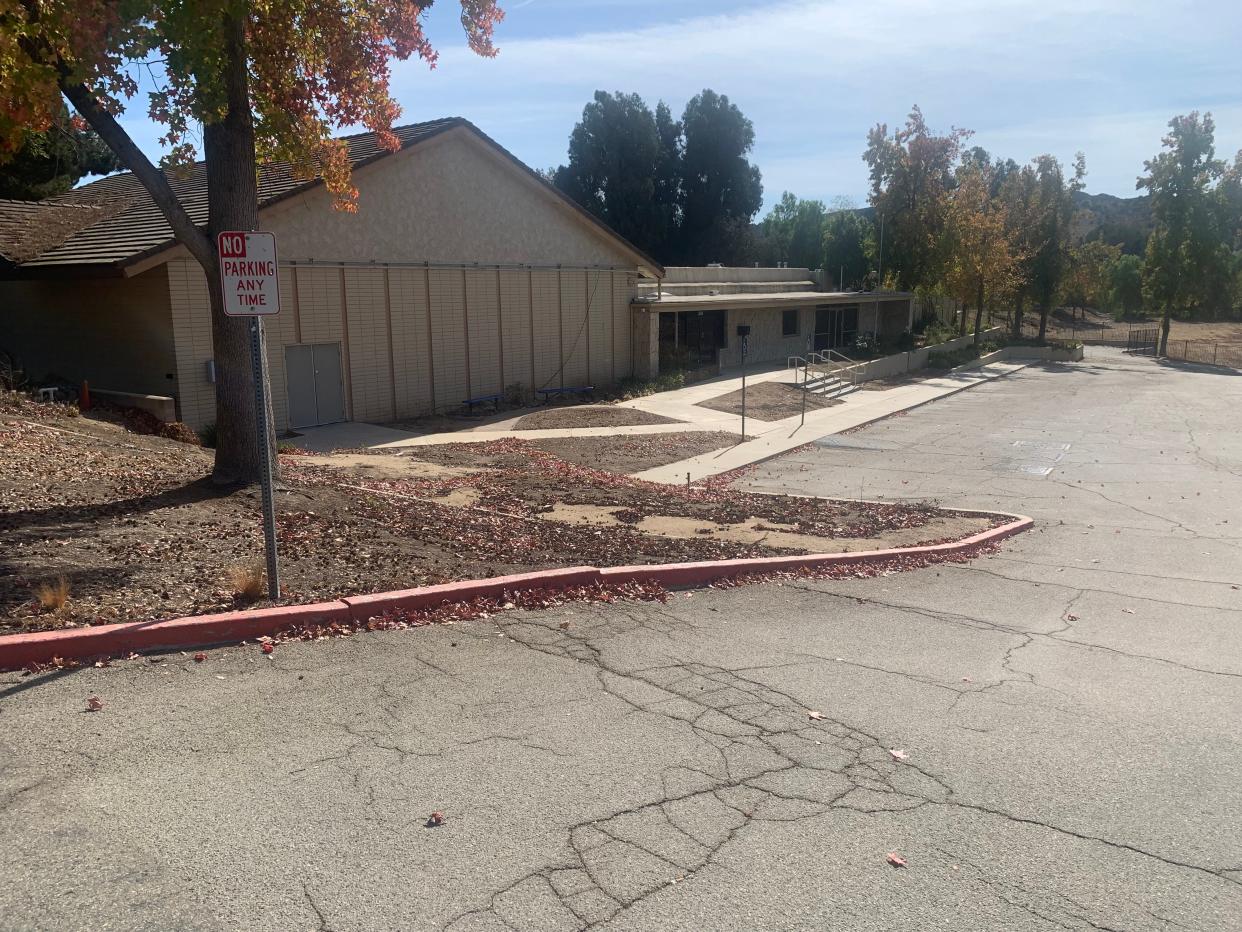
{"type": "Point", "coordinates": [829, 386]}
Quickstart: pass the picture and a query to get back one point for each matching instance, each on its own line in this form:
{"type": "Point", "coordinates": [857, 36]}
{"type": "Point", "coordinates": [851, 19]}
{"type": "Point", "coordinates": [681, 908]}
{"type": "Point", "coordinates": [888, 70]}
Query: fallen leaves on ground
{"type": "Point", "coordinates": [135, 524]}
{"type": "Point", "coordinates": [895, 859]}
{"type": "Point", "coordinates": [898, 754]}
{"type": "Point", "coordinates": [94, 704]}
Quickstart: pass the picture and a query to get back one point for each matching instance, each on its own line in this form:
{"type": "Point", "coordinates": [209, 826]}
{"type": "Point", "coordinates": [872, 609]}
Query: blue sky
{"type": "Point", "coordinates": [1103, 76]}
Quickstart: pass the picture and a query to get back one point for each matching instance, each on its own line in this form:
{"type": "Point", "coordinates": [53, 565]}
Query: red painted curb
{"type": "Point", "coordinates": [708, 571]}
{"type": "Point", "coordinates": [362, 607]}
{"type": "Point", "coordinates": [21, 650]}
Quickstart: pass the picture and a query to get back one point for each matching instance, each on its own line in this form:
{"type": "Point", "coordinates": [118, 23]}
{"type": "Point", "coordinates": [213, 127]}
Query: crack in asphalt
{"type": "Point", "coordinates": [1008, 892]}
{"type": "Point", "coordinates": [768, 752]}
{"type": "Point", "coordinates": [771, 761]}
{"type": "Point", "coordinates": [310, 901]}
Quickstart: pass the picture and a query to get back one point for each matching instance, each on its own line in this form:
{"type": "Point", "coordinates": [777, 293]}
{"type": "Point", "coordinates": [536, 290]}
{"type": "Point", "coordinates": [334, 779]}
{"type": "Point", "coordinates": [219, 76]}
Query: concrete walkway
{"type": "Point", "coordinates": [768, 438]}
{"type": "Point", "coordinates": [861, 407]}
{"type": "Point", "coordinates": [348, 435]}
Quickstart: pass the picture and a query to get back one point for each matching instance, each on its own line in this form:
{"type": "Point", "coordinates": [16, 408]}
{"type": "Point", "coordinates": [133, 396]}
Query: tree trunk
{"type": "Point", "coordinates": [978, 312]}
{"type": "Point", "coordinates": [961, 321]}
{"type": "Point", "coordinates": [1044, 309]}
{"type": "Point", "coordinates": [1165, 323]}
{"type": "Point", "coordinates": [232, 204]}
{"type": "Point", "coordinates": [1018, 311]}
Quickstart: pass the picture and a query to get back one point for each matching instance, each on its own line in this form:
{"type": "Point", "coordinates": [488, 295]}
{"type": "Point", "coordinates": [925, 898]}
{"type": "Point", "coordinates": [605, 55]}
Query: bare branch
{"type": "Point", "coordinates": [110, 131]}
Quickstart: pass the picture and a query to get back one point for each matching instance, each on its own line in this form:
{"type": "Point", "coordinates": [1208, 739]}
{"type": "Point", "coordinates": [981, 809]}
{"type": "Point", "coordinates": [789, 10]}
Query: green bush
{"type": "Point", "coordinates": [936, 333]}
{"type": "Point", "coordinates": [631, 387]}
{"type": "Point", "coordinates": [207, 435]}
{"type": "Point", "coordinates": [951, 359]}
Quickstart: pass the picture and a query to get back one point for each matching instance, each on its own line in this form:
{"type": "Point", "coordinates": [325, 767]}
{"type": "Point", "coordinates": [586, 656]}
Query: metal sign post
{"type": "Point", "coordinates": [743, 331]}
{"type": "Point", "coordinates": [250, 283]}
{"type": "Point", "coordinates": [258, 358]}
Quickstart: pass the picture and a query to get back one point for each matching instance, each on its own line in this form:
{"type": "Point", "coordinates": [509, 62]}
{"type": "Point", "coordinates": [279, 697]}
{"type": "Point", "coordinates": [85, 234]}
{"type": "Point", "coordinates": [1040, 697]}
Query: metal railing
{"type": "Point", "coordinates": [827, 362]}
{"type": "Point", "coordinates": [1205, 352]}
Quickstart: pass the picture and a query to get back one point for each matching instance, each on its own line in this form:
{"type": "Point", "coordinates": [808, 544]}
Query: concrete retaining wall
{"type": "Point", "coordinates": [162, 406]}
{"type": "Point", "coordinates": [900, 363]}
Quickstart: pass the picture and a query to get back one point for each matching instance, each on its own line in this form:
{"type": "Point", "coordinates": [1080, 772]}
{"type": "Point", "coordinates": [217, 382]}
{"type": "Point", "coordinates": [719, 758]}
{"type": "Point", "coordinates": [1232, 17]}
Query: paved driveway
{"type": "Point", "coordinates": [1067, 710]}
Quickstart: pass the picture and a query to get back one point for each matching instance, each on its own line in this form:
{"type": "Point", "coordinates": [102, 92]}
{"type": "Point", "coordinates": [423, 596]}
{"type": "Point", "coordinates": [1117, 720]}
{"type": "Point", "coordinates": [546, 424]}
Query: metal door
{"type": "Point", "coordinates": [329, 384]}
{"type": "Point", "coordinates": [313, 380]}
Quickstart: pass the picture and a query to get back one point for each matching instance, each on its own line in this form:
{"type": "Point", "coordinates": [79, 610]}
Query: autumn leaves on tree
{"type": "Point", "coordinates": [265, 79]}
{"type": "Point", "coordinates": [956, 221]}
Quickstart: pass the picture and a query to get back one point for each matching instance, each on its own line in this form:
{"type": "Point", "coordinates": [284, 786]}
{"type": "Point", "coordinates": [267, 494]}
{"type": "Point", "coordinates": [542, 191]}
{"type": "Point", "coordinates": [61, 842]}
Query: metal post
{"type": "Point", "coordinates": [802, 423]}
{"type": "Point", "coordinates": [744, 341]}
{"type": "Point", "coordinates": [259, 360]}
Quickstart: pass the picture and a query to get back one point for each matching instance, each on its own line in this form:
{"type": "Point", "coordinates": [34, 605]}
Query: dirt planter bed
{"type": "Point", "coordinates": [470, 598]}
{"type": "Point", "coordinates": [137, 534]}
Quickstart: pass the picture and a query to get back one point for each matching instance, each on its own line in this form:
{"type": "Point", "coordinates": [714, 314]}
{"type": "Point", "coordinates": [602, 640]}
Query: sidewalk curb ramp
{"type": "Point", "coordinates": [18, 651]}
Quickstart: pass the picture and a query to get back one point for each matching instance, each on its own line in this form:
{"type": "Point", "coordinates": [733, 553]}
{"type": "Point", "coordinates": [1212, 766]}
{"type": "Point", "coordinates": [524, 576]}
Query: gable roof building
{"type": "Point", "coordinates": [461, 275]}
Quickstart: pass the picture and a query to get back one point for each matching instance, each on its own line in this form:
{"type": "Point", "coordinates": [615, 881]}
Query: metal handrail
{"type": "Point", "coordinates": [823, 361]}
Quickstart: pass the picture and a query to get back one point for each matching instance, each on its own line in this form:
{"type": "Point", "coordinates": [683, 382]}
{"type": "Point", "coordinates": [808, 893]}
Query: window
{"type": "Point", "coordinates": [789, 323]}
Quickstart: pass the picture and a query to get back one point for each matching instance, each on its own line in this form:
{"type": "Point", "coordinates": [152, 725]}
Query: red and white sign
{"type": "Point", "coordinates": [248, 274]}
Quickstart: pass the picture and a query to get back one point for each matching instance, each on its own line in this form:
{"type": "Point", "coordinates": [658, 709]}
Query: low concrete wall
{"type": "Point", "coordinates": [900, 363]}
{"type": "Point", "coordinates": [161, 406]}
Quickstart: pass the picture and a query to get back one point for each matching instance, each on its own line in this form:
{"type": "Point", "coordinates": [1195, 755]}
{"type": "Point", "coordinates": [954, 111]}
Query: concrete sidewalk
{"type": "Point", "coordinates": [768, 438]}
{"type": "Point", "coordinates": [858, 408]}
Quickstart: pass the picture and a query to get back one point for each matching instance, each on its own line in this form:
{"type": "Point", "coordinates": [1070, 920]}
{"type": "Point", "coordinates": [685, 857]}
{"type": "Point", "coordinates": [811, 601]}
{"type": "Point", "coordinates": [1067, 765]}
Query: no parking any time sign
{"type": "Point", "coordinates": [248, 274]}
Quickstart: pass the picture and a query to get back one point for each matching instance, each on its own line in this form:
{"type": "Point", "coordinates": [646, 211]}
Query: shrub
{"type": "Point", "coordinates": [248, 581]}
{"type": "Point", "coordinates": [865, 344]}
{"type": "Point", "coordinates": [631, 387]}
{"type": "Point", "coordinates": [52, 596]}
{"type": "Point", "coordinates": [937, 333]}
{"type": "Point", "coordinates": [515, 394]}
{"type": "Point", "coordinates": [207, 435]}
{"type": "Point", "coordinates": [951, 359]}
{"type": "Point", "coordinates": [903, 342]}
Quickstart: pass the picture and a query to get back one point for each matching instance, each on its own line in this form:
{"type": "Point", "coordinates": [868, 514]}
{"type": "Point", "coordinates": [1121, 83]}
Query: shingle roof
{"type": "Point", "coordinates": [127, 224]}
{"type": "Point", "coordinates": [28, 228]}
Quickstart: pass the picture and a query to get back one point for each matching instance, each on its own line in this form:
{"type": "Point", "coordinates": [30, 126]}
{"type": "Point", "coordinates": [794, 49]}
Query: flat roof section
{"type": "Point", "coordinates": [774, 299]}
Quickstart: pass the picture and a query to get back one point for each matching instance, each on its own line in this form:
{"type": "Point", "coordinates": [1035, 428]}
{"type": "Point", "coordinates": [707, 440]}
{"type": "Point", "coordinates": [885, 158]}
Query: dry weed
{"type": "Point", "coordinates": [52, 596]}
{"type": "Point", "coordinates": [249, 581]}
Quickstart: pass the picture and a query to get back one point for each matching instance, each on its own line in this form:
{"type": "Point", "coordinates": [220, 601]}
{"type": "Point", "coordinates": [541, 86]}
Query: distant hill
{"type": "Point", "coordinates": [1125, 221]}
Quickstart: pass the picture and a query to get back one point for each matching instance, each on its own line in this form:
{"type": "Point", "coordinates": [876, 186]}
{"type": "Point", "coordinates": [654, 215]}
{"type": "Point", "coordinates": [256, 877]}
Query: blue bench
{"type": "Point", "coordinates": [550, 393]}
{"type": "Point", "coordinates": [482, 400]}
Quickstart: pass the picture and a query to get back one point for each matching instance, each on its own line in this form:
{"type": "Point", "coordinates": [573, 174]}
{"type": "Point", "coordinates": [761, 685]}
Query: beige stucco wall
{"type": "Point", "coordinates": [417, 340]}
{"type": "Point", "coordinates": [450, 199]}
{"type": "Point", "coordinates": [766, 342]}
{"type": "Point", "coordinates": [114, 333]}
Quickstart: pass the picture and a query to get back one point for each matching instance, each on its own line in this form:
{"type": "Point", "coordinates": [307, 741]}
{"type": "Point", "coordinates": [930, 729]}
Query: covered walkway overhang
{"type": "Point", "coordinates": [698, 332]}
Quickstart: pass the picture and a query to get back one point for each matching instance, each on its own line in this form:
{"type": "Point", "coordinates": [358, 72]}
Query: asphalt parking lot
{"type": "Point", "coordinates": [1047, 736]}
